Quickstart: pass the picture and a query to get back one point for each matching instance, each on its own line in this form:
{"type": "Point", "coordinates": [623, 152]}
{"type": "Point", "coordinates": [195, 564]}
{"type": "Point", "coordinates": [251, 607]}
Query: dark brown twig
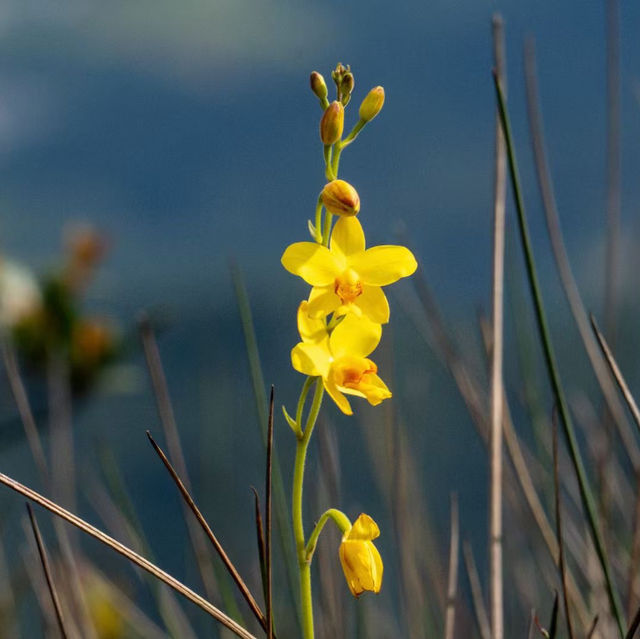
{"type": "Point", "coordinates": [209, 533]}
{"type": "Point", "coordinates": [594, 625]}
{"type": "Point", "coordinates": [262, 546]}
{"type": "Point", "coordinates": [132, 556]}
{"type": "Point", "coordinates": [47, 573]}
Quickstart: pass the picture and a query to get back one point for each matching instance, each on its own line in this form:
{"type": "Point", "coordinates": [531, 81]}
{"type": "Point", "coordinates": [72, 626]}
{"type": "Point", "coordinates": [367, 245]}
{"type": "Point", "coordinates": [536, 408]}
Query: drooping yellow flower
{"type": "Point", "coordinates": [340, 358]}
{"type": "Point", "coordinates": [360, 559]}
{"type": "Point", "coordinates": [347, 277]}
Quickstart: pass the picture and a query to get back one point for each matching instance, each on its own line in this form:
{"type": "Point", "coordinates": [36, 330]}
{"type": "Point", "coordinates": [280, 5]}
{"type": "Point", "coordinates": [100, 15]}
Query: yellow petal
{"type": "Point", "coordinates": [373, 303]}
{"type": "Point", "coordinates": [364, 528]}
{"type": "Point", "coordinates": [362, 566]}
{"type": "Point", "coordinates": [378, 569]}
{"type": "Point", "coordinates": [337, 396]}
{"type": "Point", "coordinates": [356, 336]}
{"type": "Point", "coordinates": [312, 330]}
{"type": "Point", "coordinates": [322, 301]}
{"type": "Point", "coordinates": [311, 359]}
{"type": "Point", "coordinates": [313, 262]}
{"type": "Point", "coordinates": [347, 237]}
{"type": "Point", "coordinates": [382, 265]}
{"type": "Point", "coordinates": [374, 389]}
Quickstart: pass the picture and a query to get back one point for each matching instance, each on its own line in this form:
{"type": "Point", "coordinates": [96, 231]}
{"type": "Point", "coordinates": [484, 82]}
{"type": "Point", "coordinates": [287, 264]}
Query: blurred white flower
{"type": "Point", "coordinates": [19, 293]}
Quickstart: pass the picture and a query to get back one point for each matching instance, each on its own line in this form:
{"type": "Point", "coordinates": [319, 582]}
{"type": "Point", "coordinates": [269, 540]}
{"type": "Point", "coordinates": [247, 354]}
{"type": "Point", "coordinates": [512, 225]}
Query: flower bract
{"type": "Point", "coordinates": [340, 357]}
{"type": "Point", "coordinates": [347, 277]}
{"type": "Point", "coordinates": [360, 559]}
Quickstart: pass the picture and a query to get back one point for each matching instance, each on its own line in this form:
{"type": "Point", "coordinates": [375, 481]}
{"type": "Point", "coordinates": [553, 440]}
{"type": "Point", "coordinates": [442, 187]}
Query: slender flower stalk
{"type": "Point", "coordinates": [340, 325]}
{"type": "Point", "coordinates": [304, 566]}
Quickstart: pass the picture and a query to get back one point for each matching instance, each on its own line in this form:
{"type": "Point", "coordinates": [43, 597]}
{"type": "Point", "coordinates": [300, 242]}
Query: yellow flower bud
{"type": "Point", "coordinates": [346, 88]}
{"type": "Point", "coordinates": [340, 198]}
{"type": "Point", "coordinates": [332, 123]}
{"type": "Point", "coordinates": [318, 85]}
{"type": "Point", "coordinates": [372, 104]}
{"type": "Point", "coordinates": [360, 559]}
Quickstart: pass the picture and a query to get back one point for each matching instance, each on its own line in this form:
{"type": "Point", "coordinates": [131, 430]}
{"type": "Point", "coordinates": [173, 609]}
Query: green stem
{"type": "Point", "coordinates": [335, 162]}
{"type": "Point", "coordinates": [303, 396]}
{"type": "Point", "coordinates": [327, 160]}
{"type": "Point", "coordinates": [354, 133]}
{"type": "Point", "coordinates": [318, 226]}
{"type": "Point", "coordinates": [340, 520]}
{"type": "Point", "coordinates": [327, 228]}
{"type": "Point", "coordinates": [586, 494]}
{"type": "Point", "coordinates": [304, 566]}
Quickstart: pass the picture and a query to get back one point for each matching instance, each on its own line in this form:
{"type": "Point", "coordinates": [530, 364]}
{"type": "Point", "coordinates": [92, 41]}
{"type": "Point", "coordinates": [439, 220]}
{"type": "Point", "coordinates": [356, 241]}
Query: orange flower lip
{"type": "Point", "coordinates": [348, 286]}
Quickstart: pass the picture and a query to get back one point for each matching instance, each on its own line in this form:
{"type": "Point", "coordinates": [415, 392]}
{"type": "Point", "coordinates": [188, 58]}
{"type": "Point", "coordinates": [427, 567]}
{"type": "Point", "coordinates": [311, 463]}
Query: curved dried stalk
{"type": "Point", "coordinates": [565, 273]}
{"type": "Point", "coordinates": [132, 556]}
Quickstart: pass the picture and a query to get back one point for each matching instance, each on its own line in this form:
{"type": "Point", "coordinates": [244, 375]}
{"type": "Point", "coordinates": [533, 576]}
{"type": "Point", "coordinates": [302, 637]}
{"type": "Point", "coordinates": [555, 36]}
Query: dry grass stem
{"type": "Point", "coordinates": [132, 556]}
{"type": "Point", "coordinates": [496, 590]}
{"type": "Point", "coordinates": [567, 279]}
{"type": "Point", "coordinates": [210, 535]}
{"type": "Point", "coordinates": [615, 370]}
{"type": "Point", "coordinates": [479, 608]}
{"type": "Point", "coordinates": [454, 554]}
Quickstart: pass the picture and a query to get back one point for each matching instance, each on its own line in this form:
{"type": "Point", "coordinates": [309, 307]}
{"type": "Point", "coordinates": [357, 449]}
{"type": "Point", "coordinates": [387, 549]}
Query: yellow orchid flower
{"type": "Point", "coordinates": [346, 277]}
{"type": "Point", "coordinates": [340, 357]}
{"type": "Point", "coordinates": [360, 559]}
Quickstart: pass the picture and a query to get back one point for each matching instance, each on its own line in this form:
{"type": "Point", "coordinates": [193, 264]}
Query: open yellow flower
{"type": "Point", "coordinates": [360, 559]}
{"type": "Point", "coordinates": [340, 358]}
{"type": "Point", "coordinates": [346, 277]}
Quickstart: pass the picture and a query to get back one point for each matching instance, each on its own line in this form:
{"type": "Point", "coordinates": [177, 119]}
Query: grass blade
{"type": "Point", "coordinates": [545, 338]}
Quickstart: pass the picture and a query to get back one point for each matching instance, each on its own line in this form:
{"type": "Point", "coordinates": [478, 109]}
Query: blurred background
{"type": "Point", "coordinates": [185, 132]}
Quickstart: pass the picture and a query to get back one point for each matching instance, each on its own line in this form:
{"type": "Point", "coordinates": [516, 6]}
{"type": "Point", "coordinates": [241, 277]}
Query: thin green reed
{"type": "Point", "coordinates": [586, 494]}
